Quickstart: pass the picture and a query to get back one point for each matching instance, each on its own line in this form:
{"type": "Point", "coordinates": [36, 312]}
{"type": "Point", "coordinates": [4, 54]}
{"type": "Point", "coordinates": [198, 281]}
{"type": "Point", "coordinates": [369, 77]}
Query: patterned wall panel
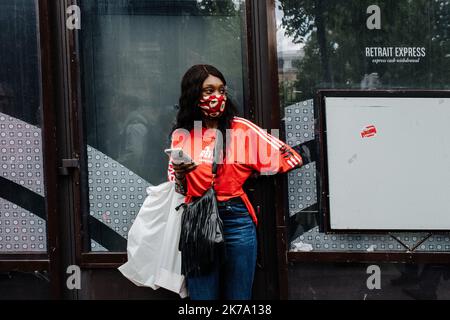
{"type": "Point", "coordinates": [115, 193]}
{"type": "Point", "coordinates": [299, 122]}
{"type": "Point", "coordinates": [21, 153]}
{"type": "Point", "coordinates": [302, 190]}
{"type": "Point", "coordinates": [20, 230]}
{"type": "Point", "coordinates": [313, 240]}
{"type": "Point", "coordinates": [21, 163]}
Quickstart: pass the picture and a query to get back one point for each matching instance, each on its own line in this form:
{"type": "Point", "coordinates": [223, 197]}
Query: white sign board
{"type": "Point", "coordinates": [388, 163]}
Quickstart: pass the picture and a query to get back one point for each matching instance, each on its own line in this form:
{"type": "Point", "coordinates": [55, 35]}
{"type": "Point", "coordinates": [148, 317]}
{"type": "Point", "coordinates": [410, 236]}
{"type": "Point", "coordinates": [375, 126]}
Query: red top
{"type": "Point", "coordinates": [251, 149]}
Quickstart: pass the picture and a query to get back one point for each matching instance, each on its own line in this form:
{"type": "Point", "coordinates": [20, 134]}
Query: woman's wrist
{"type": "Point", "coordinates": [180, 185]}
{"type": "Point", "coordinates": [180, 177]}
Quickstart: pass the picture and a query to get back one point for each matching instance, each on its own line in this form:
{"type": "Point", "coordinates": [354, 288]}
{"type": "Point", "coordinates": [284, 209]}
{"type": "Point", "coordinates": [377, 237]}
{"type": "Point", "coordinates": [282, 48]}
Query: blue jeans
{"type": "Point", "coordinates": [232, 279]}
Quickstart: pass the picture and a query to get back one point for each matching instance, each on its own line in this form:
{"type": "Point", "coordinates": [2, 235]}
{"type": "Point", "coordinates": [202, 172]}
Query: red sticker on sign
{"type": "Point", "coordinates": [369, 131]}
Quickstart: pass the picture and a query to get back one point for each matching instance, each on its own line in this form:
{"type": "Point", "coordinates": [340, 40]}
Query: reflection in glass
{"type": "Point", "coordinates": [327, 44]}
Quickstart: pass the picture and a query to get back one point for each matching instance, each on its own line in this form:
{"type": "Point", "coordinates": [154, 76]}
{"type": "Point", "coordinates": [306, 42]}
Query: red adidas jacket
{"type": "Point", "coordinates": [250, 149]}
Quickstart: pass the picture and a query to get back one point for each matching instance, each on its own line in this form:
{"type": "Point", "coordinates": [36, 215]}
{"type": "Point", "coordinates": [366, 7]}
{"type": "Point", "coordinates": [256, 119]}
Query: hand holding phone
{"type": "Point", "coordinates": [178, 156]}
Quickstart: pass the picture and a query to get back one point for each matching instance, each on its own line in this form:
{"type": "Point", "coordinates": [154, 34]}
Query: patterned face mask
{"type": "Point", "coordinates": [213, 106]}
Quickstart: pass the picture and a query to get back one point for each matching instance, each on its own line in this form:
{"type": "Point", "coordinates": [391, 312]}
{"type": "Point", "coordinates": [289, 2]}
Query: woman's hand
{"type": "Point", "coordinates": [182, 169]}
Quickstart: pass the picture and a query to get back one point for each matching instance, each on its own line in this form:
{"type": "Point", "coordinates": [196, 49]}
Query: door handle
{"type": "Point", "coordinates": [67, 164]}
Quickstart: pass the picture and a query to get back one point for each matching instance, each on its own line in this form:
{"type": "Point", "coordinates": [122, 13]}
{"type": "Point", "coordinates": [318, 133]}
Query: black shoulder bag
{"type": "Point", "coordinates": [201, 238]}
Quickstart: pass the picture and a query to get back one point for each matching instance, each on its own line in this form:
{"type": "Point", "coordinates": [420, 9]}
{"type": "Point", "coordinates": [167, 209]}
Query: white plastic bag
{"type": "Point", "coordinates": [153, 257]}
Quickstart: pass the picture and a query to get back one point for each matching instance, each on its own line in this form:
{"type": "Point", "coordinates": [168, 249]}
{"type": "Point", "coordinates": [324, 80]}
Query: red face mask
{"type": "Point", "coordinates": [213, 106]}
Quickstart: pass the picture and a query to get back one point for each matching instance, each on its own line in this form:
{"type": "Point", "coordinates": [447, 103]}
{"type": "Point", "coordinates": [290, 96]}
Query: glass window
{"type": "Point", "coordinates": [352, 45]}
{"type": "Point", "coordinates": [22, 196]}
{"type": "Point", "coordinates": [134, 54]}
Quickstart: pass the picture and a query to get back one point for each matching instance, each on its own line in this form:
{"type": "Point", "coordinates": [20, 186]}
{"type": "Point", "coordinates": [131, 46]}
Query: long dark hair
{"type": "Point", "coordinates": [191, 91]}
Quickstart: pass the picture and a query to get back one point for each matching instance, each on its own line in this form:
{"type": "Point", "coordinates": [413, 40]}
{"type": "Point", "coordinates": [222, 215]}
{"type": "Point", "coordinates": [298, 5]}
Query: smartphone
{"type": "Point", "coordinates": [178, 156]}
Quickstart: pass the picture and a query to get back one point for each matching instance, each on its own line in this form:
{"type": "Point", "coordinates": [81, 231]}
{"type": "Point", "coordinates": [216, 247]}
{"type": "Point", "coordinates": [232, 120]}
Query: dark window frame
{"type": "Point", "coordinates": [349, 256]}
{"type": "Point", "coordinates": [44, 261]}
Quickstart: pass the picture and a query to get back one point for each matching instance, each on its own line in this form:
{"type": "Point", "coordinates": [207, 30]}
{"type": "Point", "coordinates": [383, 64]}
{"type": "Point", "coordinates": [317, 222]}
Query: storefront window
{"type": "Point", "coordinates": [22, 207]}
{"type": "Point", "coordinates": [134, 54]}
{"type": "Point", "coordinates": [353, 45]}
{"type": "Point", "coordinates": [356, 45]}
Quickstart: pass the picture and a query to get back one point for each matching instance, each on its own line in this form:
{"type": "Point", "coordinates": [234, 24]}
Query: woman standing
{"type": "Point", "coordinates": [205, 116]}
